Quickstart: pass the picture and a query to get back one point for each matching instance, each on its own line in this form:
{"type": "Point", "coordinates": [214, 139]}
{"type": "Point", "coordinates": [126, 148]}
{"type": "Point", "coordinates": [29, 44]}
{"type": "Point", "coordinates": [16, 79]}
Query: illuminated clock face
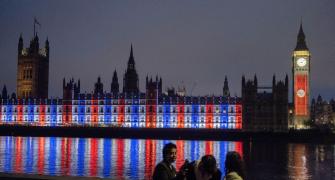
{"type": "Point", "coordinates": [301, 62]}
{"type": "Point", "coordinates": [301, 93]}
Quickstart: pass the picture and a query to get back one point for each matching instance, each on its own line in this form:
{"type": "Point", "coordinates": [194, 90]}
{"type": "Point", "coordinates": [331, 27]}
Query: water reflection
{"type": "Point", "coordinates": [136, 158]}
{"type": "Point", "coordinates": [128, 158]}
{"type": "Point", "coordinates": [281, 160]}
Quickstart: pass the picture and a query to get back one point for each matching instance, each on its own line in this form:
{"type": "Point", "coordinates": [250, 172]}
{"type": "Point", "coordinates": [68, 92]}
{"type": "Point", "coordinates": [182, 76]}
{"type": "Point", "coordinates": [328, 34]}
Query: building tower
{"type": "Point", "coordinates": [226, 92]}
{"type": "Point", "coordinates": [130, 79]}
{"type": "Point", "coordinates": [32, 69]}
{"type": "Point", "coordinates": [71, 90]}
{"type": "Point", "coordinates": [98, 87]}
{"type": "Point", "coordinates": [115, 85]}
{"type": "Point", "coordinates": [301, 81]}
{"type": "Point", "coordinates": [153, 88]}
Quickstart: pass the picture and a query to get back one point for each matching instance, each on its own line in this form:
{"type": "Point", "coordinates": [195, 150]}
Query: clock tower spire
{"type": "Point", "coordinates": [301, 81]}
{"type": "Point", "coordinates": [301, 43]}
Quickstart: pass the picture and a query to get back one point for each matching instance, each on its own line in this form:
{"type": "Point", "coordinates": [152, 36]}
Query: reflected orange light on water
{"type": "Point", "coordinates": [114, 158]}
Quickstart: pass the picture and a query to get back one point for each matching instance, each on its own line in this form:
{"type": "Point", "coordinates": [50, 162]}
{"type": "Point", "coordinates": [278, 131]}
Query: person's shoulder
{"type": "Point", "coordinates": [233, 176]}
{"type": "Point", "coordinates": [161, 165]}
{"type": "Point", "coordinates": [160, 172]}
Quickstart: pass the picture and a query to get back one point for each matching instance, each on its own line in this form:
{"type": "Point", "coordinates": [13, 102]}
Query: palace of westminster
{"type": "Point", "coordinates": [258, 108]}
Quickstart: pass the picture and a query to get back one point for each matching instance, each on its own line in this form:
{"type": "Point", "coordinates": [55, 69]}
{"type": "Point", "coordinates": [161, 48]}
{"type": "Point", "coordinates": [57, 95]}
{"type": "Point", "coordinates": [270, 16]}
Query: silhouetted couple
{"type": "Point", "coordinates": [205, 169]}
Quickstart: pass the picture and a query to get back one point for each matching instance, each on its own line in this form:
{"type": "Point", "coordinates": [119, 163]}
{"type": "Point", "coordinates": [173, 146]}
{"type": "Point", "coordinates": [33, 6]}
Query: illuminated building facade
{"type": "Point", "coordinates": [301, 81]}
{"type": "Point", "coordinates": [130, 108]}
{"type": "Point", "coordinates": [33, 69]}
{"type": "Point", "coordinates": [138, 111]}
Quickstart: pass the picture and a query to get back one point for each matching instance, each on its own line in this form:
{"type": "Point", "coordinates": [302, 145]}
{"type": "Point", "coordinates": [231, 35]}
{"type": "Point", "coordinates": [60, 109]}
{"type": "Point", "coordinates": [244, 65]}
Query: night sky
{"type": "Point", "coordinates": [191, 43]}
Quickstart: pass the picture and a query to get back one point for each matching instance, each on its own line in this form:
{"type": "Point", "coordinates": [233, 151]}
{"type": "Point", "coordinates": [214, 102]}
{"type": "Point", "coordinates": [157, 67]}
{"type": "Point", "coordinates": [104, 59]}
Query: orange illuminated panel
{"type": "Point", "coordinates": [180, 115]}
{"type": "Point", "coordinates": [121, 112]}
{"type": "Point", "coordinates": [238, 116]}
{"type": "Point", "coordinates": [150, 116]}
{"type": "Point", "coordinates": [67, 114]}
{"type": "Point", "coordinates": [300, 95]}
{"type": "Point", "coordinates": [94, 112]}
{"type": "Point", "coordinates": [19, 113]}
{"type": "Point", "coordinates": [209, 116]}
{"type": "Point", "coordinates": [42, 115]}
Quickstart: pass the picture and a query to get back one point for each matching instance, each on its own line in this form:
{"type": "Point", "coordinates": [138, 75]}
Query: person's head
{"type": "Point", "coordinates": [170, 152]}
{"type": "Point", "coordinates": [234, 162]}
{"type": "Point", "coordinates": [207, 165]}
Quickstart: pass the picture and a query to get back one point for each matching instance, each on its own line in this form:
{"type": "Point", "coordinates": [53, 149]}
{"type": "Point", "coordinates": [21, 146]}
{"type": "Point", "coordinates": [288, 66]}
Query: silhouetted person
{"type": "Point", "coordinates": [165, 170]}
{"type": "Point", "coordinates": [205, 169]}
{"type": "Point", "coordinates": [234, 167]}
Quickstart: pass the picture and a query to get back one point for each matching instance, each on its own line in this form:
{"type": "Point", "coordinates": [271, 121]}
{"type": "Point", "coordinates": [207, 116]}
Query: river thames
{"type": "Point", "coordinates": [136, 158]}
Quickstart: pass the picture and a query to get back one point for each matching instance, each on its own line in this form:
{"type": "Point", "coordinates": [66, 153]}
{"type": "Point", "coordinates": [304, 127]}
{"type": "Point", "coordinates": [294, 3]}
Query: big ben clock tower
{"type": "Point", "coordinates": [301, 81]}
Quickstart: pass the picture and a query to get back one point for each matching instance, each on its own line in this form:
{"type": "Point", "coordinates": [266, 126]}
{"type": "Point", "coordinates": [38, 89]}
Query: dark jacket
{"type": "Point", "coordinates": [164, 172]}
{"type": "Point", "coordinates": [190, 175]}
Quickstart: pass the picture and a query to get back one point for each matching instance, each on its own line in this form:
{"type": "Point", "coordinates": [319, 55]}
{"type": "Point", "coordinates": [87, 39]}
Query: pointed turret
{"type": "Point", "coordinates": [47, 47]}
{"type": "Point", "coordinates": [130, 79]}
{"type": "Point", "coordinates": [63, 82]}
{"type": "Point", "coordinates": [131, 61]}
{"type": "Point", "coordinates": [274, 80]}
{"type": "Point", "coordinates": [20, 45]}
{"type": "Point", "coordinates": [286, 81]}
{"type": "Point", "coordinates": [255, 80]}
{"type": "Point", "coordinates": [34, 45]}
{"type": "Point", "coordinates": [301, 43]}
{"type": "Point", "coordinates": [98, 87]}
{"type": "Point", "coordinates": [4, 92]}
{"type": "Point", "coordinates": [226, 92]}
{"type": "Point", "coordinates": [115, 84]}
